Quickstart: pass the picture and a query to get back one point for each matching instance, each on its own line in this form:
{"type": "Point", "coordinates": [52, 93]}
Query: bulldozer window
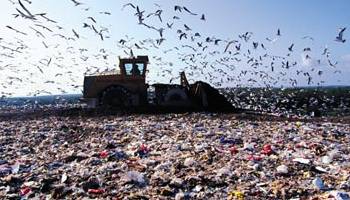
{"type": "Point", "coordinates": [128, 68]}
{"type": "Point", "coordinates": [140, 66]}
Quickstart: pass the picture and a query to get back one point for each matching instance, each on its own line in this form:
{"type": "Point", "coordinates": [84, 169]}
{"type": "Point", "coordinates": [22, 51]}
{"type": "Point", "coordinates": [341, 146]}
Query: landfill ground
{"type": "Point", "coordinates": [173, 156]}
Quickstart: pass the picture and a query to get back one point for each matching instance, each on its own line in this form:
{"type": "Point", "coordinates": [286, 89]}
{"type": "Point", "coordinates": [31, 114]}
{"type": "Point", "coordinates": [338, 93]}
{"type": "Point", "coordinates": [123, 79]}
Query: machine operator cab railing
{"type": "Point", "coordinates": [134, 67]}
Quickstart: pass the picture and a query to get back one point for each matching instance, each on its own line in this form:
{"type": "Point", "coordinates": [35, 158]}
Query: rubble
{"type": "Point", "coordinates": [176, 156]}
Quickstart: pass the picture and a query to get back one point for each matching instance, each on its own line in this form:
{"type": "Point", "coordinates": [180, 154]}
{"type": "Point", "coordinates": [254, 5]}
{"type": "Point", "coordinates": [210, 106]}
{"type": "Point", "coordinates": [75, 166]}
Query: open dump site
{"type": "Point", "coordinates": [174, 156]}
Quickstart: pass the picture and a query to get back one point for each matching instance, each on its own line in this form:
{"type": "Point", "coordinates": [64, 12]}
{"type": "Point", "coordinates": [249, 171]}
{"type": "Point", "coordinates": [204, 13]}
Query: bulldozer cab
{"type": "Point", "coordinates": [133, 67]}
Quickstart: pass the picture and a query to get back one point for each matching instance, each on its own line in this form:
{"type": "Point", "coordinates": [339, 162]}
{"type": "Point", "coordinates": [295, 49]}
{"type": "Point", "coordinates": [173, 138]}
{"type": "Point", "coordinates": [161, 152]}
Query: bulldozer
{"type": "Point", "coordinates": [127, 88]}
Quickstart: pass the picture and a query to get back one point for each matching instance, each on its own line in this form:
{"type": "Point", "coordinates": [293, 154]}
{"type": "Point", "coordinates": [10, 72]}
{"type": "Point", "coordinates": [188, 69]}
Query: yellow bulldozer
{"type": "Point", "coordinates": [127, 88]}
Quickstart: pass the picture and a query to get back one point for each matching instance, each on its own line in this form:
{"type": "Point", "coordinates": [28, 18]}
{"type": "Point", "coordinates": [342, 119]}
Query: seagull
{"type": "Point", "coordinates": [45, 45]}
{"type": "Point", "coordinates": [271, 40]}
{"type": "Point", "coordinates": [179, 8]}
{"type": "Point", "coordinates": [187, 28]}
{"type": "Point", "coordinates": [29, 14]}
{"type": "Point", "coordinates": [183, 35]}
{"type": "Point", "coordinates": [308, 37]}
{"type": "Point", "coordinates": [216, 42]}
{"type": "Point", "coordinates": [37, 32]}
{"type": "Point", "coordinates": [75, 33]}
{"type": "Point", "coordinates": [228, 45]}
{"type": "Point", "coordinates": [17, 31]}
{"type": "Point", "coordinates": [169, 25]}
{"type": "Point", "coordinates": [76, 3]}
{"type": "Point", "coordinates": [326, 52]}
{"type": "Point", "coordinates": [129, 4]}
{"type": "Point", "coordinates": [157, 13]}
{"type": "Point", "coordinates": [278, 32]}
{"type": "Point", "coordinates": [92, 19]}
{"type": "Point", "coordinates": [332, 64]}
{"type": "Point", "coordinates": [85, 25]}
{"type": "Point", "coordinates": [197, 34]}
{"type": "Point", "coordinates": [161, 32]}
{"type": "Point", "coordinates": [47, 19]}
{"type": "Point", "coordinates": [44, 27]}
{"type": "Point", "coordinates": [160, 41]}
{"type": "Point", "coordinates": [339, 38]}
{"type": "Point", "coordinates": [106, 13]}
{"type": "Point", "coordinates": [48, 62]}
{"type": "Point", "coordinates": [93, 28]}
{"type": "Point", "coordinates": [255, 45]}
{"type": "Point", "coordinates": [122, 41]}
{"type": "Point", "coordinates": [101, 36]}
{"type": "Point", "coordinates": [291, 48]}
{"type": "Point", "coordinates": [187, 10]}
{"type": "Point", "coordinates": [137, 46]}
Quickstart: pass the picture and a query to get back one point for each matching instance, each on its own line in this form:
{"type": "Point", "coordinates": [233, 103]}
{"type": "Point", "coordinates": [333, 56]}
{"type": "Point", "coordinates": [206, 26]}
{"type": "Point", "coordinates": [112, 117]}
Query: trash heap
{"type": "Point", "coordinates": [173, 156]}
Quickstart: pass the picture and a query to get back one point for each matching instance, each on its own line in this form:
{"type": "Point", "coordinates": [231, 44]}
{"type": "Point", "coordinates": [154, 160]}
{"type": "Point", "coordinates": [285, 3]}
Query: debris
{"type": "Point", "coordinates": [282, 169]}
{"type": "Point", "coordinates": [338, 195]}
{"type": "Point", "coordinates": [175, 156]}
{"type": "Point", "coordinates": [302, 160]}
{"type": "Point", "coordinates": [135, 177]}
{"type": "Point", "coordinates": [318, 183]}
{"type": "Point", "coordinates": [189, 162]}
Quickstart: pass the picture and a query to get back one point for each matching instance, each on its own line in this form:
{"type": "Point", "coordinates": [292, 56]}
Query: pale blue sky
{"type": "Point", "coordinates": [226, 19]}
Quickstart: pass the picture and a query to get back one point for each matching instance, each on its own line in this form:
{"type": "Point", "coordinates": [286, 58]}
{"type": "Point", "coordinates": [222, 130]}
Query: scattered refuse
{"type": "Point", "coordinates": [176, 156]}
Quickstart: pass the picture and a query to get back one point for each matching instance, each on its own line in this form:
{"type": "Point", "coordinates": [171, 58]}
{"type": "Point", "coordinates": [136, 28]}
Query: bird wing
{"type": "Point", "coordinates": [24, 8]}
{"type": "Point", "coordinates": [187, 10]}
{"type": "Point", "coordinates": [227, 46]}
{"type": "Point", "coordinates": [341, 32]}
{"type": "Point", "coordinates": [129, 4]}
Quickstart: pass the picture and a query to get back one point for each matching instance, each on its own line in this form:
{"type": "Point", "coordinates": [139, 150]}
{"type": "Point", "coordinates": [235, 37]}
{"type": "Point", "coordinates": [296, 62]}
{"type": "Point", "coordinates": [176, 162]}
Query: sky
{"type": "Point", "coordinates": [50, 64]}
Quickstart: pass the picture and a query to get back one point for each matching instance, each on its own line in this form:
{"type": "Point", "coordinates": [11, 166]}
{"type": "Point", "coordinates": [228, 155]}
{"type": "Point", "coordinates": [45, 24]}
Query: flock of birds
{"type": "Point", "coordinates": [219, 61]}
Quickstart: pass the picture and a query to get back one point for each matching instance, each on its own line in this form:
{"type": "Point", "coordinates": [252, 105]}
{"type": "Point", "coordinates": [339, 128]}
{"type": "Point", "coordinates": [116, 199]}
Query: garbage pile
{"type": "Point", "coordinates": [173, 156]}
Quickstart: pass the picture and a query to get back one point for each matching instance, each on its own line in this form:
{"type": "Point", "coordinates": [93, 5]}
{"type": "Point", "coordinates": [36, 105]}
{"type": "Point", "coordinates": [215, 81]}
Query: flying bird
{"type": "Point", "coordinates": [169, 25]}
{"type": "Point", "coordinates": [183, 35]}
{"type": "Point", "coordinates": [30, 15]}
{"type": "Point", "coordinates": [17, 31]}
{"type": "Point", "coordinates": [129, 4]}
{"type": "Point", "coordinates": [228, 45]}
{"type": "Point", "coordinates": [308, 37]}
{"type": "Point", "coordinates": [291, 48]}
{"type": "Point", "coordinates": [160, 41]}
{"type": "Point", "coordinates": [105, 13]}
{"type": "Point", "coordinates": [178, 8]}
{"type": "Point", "coordinates": [37, 32]}
{"type": "Point", "coordinates": [340, 38]}
{"type": "Point", "coordinates": [216, 42]}
{"type": "Point", "coordinates": [43, 15]}
{"type": "Point", "coordinates": [92, 19]}
{"type": "Point", "coordinates": [187, 10]}
{"type": "Point", "coordinates": [122, 41]}
{"type": "Point", "coordinates": [332, 64]}
{"type": "Point", "coordinates": [278, 32]}
{"type": "Point", "coordinates": [255, 45]}
{"type": "Point", "coordinates": [85, 25]}
{"type": "Point", "coordinates": [75, 33]}
{"type": "Point", "coordinates": [157, 13]}
{"type": "Point", "coordinates": [44, 27]}
{"type": "Point", "coordinates": [187, 28]}
{"type": "Point", "coordinates": [76, 2]}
